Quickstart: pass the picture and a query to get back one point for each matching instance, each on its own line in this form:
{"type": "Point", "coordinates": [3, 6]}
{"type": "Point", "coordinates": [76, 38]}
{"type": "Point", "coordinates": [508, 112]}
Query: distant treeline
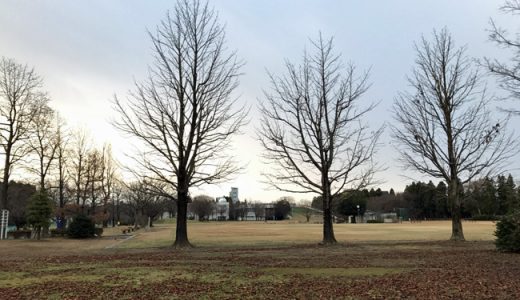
{"type": "Point", "coordinates": [486, 197]}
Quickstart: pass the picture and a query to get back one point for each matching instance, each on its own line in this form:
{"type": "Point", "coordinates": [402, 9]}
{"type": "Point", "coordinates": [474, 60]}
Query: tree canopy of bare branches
{"type": "Point", "coordinates": [78, 165]}
{"type": "Point", "coordinates": [147, 205]}
{"type": "Point", "coordinates": [19, 98]}
{"type": "Point", "coordinates": [43, 142]}
{"type": "Point", "coordinates": [202, 206]}
{"type": "Point", "coordinates": [63, 153]}
{"type": "Point", "coordinates": [312, 129]}
{"type": "Point", "coordinates": [508, 74]}
{"type": "Point", "coordinates": [443, 126]}
{"type": "Point", "coordinates": [184, 113]}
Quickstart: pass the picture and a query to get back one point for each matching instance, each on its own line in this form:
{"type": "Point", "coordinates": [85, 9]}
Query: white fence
{"type": "Point", "coordinates": [4, 223]}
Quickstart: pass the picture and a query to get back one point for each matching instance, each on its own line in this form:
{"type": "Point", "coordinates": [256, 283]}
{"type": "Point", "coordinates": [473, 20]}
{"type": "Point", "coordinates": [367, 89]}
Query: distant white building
{"type": "Point", "coordinates": [221, 209]}
{"type": "Point", "coordinates": [233, 194]}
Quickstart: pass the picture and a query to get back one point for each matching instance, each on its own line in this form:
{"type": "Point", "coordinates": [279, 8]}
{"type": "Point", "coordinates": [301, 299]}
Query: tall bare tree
{"type": "Point", "coordinates": [108, 178]}
{"type": "Point", "coordinates": [508, 74]}
{"type": "Point", "coordinates": [443, 126]}
{"type": "Point", "coordinates": [42, 142]}
{"type": "Point", "coordinates": [312, 129]}
{"type": "Point", "coordinates": [93, 180]}
{"type": "Point", "coordinates": [19, 94]}
{"type": "Point", "coordinates": [78, 169]}
{"type": "Point", "coordinates": [62, 165]}
{"type": "Point", "coordinates": [63, 153]}
{"type": "Point", "coordinates": [185, 113]}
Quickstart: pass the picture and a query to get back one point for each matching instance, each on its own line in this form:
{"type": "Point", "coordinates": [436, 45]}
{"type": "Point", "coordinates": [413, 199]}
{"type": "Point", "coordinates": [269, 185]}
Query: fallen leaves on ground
{"type": "Point", "coordinates": [418, 270]}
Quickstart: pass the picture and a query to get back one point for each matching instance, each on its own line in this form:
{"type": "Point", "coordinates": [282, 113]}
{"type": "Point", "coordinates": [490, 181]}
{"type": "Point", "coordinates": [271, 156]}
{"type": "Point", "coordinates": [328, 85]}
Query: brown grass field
{"type": "Point", "coordinates": [259, 260]}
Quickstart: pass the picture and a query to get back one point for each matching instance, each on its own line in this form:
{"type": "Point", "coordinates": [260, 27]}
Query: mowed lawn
{"type": "Point", "coordinates": [258, 260]}
{"type": "Point", "coordinates": [231, 234]}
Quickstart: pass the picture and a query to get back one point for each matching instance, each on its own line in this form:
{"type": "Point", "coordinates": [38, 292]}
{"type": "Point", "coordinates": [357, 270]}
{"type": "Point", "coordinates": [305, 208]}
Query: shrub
{"type": "Point", "coordinates": [485, 218]}
{"type": "Point", "coordinates": [374, 221]}
{"type": "Point", "coordinates": [19, 234]}
{"type": "Point", "coordinates": [508, 233]}
{"type": "Point", "coordinates": [58, 232]}
{"type": "Point", "coordinates": [98, 231]}
{"type": "Point", "coordinates": [282, 208]}
{"type": "Point", "coordinates": [81, 227]}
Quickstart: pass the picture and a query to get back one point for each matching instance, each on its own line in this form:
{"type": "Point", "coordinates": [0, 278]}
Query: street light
{"type": "Point", "coordinates": [358, 213]}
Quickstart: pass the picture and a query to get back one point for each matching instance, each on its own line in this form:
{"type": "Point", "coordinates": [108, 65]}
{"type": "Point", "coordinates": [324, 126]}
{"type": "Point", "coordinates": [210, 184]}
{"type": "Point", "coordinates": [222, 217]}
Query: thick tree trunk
{"type": "Point", "coordinates": [328, 230]}
{"type": "Point", "coordinates": [181, 231]}
{"type": "Point", "coordinates": [5, 181]}
{"type": "Point", "coordinates": [456, 212]}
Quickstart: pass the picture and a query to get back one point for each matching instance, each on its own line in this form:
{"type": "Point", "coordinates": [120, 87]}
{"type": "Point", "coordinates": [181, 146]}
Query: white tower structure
{"type": "Point", "coordinates": [233, 194]}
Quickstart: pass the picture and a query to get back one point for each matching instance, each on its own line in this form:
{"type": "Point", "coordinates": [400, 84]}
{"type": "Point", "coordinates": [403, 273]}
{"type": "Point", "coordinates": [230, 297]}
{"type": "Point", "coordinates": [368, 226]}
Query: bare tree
{"type": "Point", "coordinates": [94, 173]}
{"type": "Point", "coordinates": [116, 197]}
{"type": "Point", "coordinates": [202, 206]}
{"type": "Point", "coordinates": [108, 177]}
{"type": "Point", "coordinates": [507, 74]}
{"type": "Point", "coordinates": [149, 204]}
{"type": "Point", "coordinates": [307, 209]}
{"type": "Point", "coordinates": [259, 209]}
{"type": "Point", "coordinates": [312, 130]}
{"type": "Point", "coordinates": [63, 153]}
{"type": "Point", "coordinates": [43, 142]}
{"type": "Point", "coordinates": [184, 114]}
{"type": "Point", "coordinates": [443, 126]}
{"type": "Point", "coordinates": [60, 188]}
{"type": "Point", "coordinates": [78, 168]}
{"type": "Point", "coordinates": [141, 200]}
{"type": "Point", "coordinates": [19, 95]}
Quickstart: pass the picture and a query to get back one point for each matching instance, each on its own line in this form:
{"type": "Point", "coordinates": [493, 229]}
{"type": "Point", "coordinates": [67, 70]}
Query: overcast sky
{"type": "Point", "coordinates": [87, 51]}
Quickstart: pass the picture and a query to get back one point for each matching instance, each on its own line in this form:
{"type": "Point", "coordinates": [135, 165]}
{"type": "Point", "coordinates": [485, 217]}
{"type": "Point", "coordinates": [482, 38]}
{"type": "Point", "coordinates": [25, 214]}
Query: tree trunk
{"type": "Point", "coordinates": [5, 182]}
{"type": "Point", "coordinates": [113, 212]}
{"type": "Point", "coordinates": [105, 212]}
{"type": "Point", "coordinates": [181, 231]}
{"type": "Point", "coordinates": [456, 212]}
{"type": "Point", "coordinates": [118, 212]}
{"type": "Point", "coordinates": [328, 230]}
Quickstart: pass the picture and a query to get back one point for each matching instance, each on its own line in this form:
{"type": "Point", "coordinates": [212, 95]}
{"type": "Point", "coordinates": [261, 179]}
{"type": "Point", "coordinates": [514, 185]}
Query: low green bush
{"type": "Point", "coordinates": [58, 232]}
{"type": "Point", "coordinates": [98, 231]}
{"type": "Point", "coordinates": [485, 218]}
{"type": "Point", "coordinates": [81, 227]}
{"type": "Point", "coordinates": [19, 234]}
{"type": "Point", "coordinates": [508, 233]}
{"type": "Point", "coordinates": [374, 221]}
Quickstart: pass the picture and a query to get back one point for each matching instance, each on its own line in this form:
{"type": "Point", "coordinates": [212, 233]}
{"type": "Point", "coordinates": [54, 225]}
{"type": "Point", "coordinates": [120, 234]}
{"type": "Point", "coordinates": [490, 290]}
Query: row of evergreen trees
{"type": "Point", "coordinates": [491, 197]}
{"type": "Point", "coordinates": [487, 198]}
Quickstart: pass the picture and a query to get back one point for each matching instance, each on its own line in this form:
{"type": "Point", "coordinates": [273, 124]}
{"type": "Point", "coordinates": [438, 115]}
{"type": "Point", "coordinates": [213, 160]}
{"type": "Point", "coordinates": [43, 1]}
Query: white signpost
{"type": "Point", "coordinates": [4, 222]}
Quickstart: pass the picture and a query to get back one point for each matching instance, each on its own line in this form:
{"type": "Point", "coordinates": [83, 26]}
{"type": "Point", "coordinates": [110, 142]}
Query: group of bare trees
{"type": "Point", "coordinates": [93, 177]}
{"type": "Point", "coordinates": [313, 123]}
{"type": "Point", "coordinates": [66, 164]}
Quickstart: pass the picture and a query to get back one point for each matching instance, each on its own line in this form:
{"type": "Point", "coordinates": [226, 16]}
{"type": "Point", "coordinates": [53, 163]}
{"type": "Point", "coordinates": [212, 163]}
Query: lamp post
{"type": "Point", "coordinates": [358, 213]}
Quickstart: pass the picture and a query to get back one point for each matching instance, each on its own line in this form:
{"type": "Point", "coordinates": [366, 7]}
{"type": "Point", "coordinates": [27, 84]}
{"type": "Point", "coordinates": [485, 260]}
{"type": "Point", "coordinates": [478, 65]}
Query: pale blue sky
{"type": "Point", "coordinates": [89, 50]}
